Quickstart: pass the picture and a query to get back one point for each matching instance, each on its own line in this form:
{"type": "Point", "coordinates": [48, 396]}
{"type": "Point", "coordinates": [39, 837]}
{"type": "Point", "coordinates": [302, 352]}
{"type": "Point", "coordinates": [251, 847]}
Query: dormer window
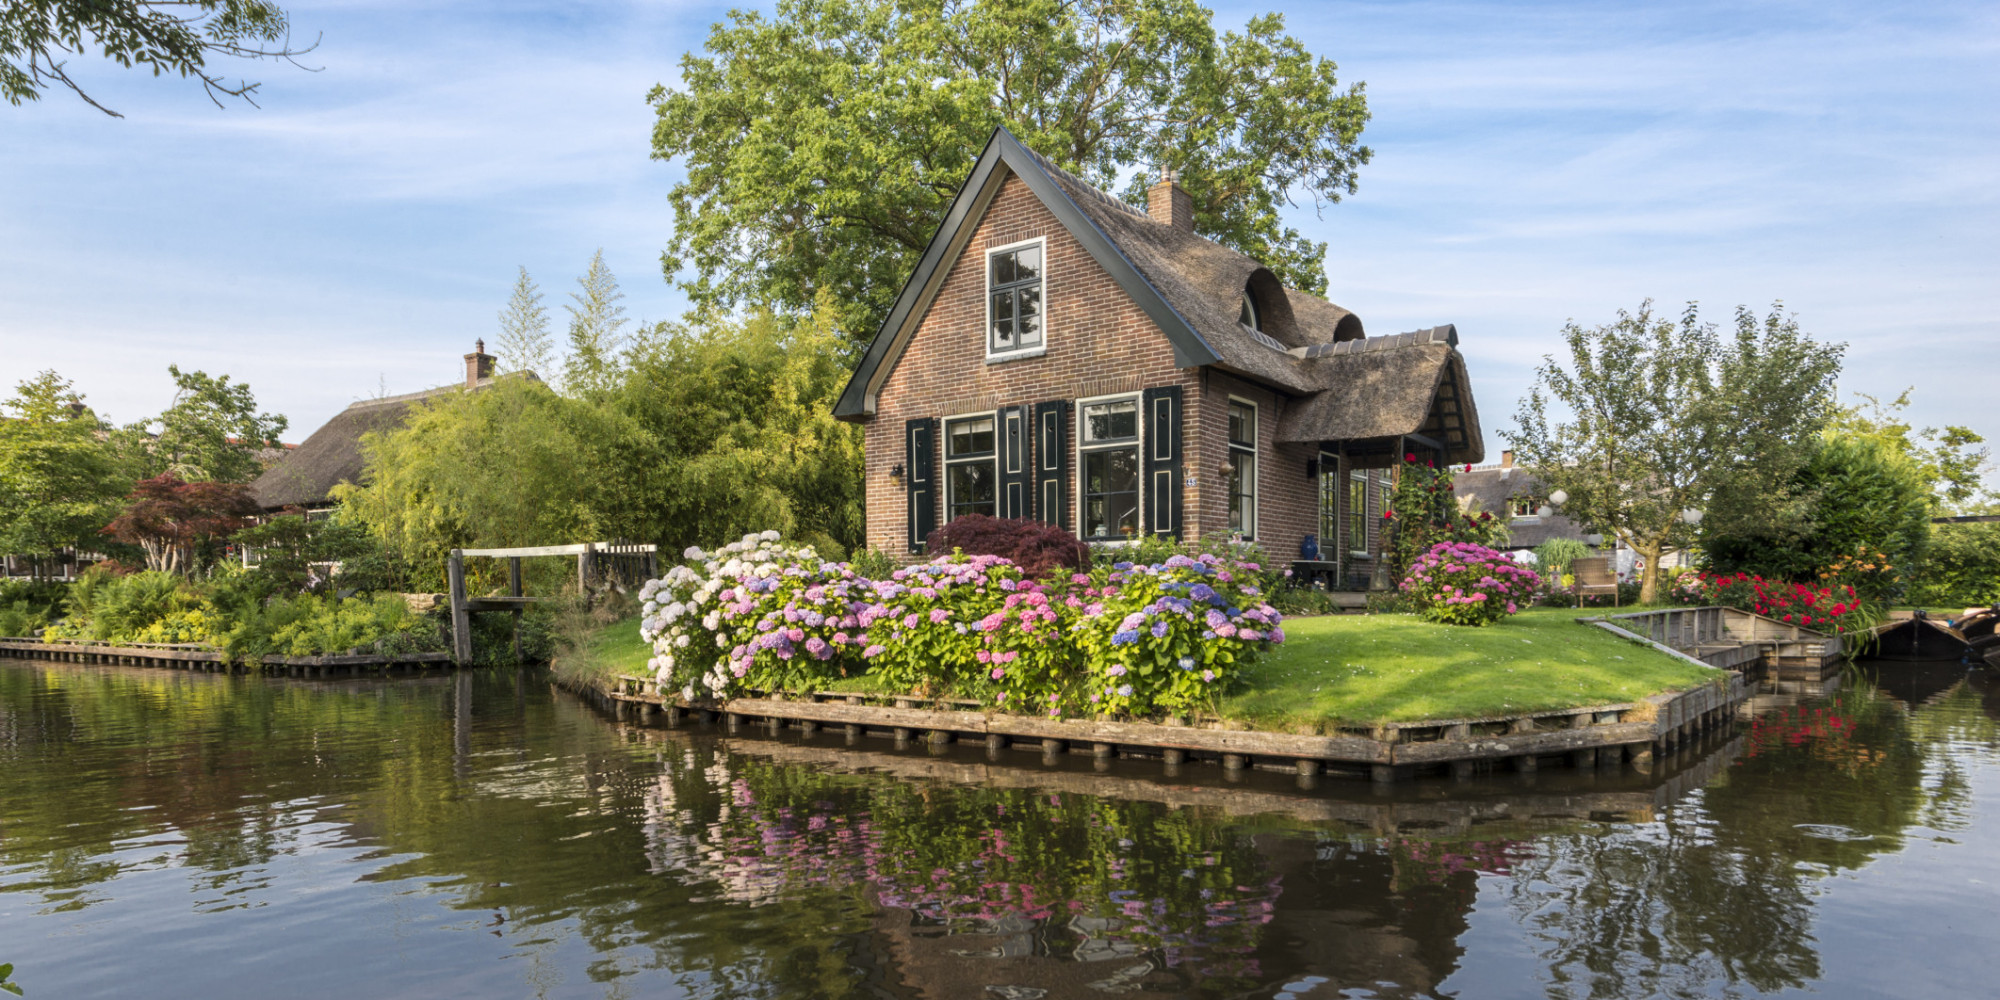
{"type": "Point", "coordinates": [1014, 300]}
{"type": "Point", "coordinates": [1246, 313]}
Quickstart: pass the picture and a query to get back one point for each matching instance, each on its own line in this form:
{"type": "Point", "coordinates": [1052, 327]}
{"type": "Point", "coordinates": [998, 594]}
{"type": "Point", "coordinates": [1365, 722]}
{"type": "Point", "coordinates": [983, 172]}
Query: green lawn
{"type": "Point", "coordinates": [1361, 669]}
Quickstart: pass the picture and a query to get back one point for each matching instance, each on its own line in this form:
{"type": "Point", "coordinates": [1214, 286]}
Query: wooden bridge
{"type": "Point", "coordinates": [620, 561]}
{"type": "Point", "coordinates": [1735, 640]}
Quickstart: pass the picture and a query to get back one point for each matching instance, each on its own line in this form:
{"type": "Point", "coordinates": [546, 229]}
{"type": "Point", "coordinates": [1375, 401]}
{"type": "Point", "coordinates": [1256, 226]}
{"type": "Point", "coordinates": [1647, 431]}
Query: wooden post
{"type": "Point", "coordinates": [583, 569]}
{"type": "Point", "coordinates": [461, 619]}
{"type": "Point", "coordinates": [514, 589]}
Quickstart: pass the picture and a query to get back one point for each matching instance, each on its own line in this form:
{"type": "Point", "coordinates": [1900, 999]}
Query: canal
{"type": "Point", "coordinates": [166, 834]}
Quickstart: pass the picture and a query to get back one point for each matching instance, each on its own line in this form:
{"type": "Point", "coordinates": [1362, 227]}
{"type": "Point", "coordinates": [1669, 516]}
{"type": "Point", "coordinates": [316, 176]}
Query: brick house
{"type": "Point", "coordinates": [1060, 355]}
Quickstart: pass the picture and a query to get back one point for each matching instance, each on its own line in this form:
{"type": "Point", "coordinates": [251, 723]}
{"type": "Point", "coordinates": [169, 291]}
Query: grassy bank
{"type": "Point", "coordinates": [1360, 669]}
{"type": "Point", "coordinates": [1396, 668]}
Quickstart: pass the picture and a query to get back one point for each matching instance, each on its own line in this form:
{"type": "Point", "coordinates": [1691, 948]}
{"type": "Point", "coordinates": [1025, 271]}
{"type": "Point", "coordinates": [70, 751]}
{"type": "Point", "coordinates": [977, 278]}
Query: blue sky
{"type": "Point", "coordinates": [1535, 162]}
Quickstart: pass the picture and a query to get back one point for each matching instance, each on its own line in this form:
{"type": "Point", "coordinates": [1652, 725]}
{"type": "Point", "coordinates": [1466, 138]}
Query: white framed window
{"type": "Point", "coordinates": [1108, 468]}
{"type": "Point", "coordinates": [1357, 513]}
{"type": "Point", "coordinates": [971, 474]}
{"type": "Point", "coordinates": [1243, 467]}
{"type": "Point", "coordinates": [1522, 507]}
{"type": "Point", "coordinates": [1016, 279]}
{"type": "Point", "coordinates": [1246, 312]}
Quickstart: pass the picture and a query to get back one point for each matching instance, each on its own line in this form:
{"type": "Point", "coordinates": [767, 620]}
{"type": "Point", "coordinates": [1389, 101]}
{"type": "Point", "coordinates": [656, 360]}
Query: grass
{"type": "Point", "coordinates": [1359, 669]}
{"type": "Point", "coordinates": [1362, 669]}
{"type": "Point", "coordinates": [602, 652]}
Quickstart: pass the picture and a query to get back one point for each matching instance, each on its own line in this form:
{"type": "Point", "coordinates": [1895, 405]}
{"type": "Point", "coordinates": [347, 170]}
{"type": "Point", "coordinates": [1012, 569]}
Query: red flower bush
{"type": "Point", "coordinates": [1824, 608]}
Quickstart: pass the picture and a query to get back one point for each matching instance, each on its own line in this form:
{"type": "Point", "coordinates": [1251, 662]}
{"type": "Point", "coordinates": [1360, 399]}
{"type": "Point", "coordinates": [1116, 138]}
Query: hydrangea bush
{"type": "Point", "coordinates": [1460, 583]}
{"type": "Point", "coordinates": [1130, 639]}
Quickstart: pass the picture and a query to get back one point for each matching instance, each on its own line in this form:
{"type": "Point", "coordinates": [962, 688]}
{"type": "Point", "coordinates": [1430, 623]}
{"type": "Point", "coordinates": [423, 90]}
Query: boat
{"type": "Point", "coordinates": [1919, 639]}
{"type": "Point", "coordinates": [1981, 628]}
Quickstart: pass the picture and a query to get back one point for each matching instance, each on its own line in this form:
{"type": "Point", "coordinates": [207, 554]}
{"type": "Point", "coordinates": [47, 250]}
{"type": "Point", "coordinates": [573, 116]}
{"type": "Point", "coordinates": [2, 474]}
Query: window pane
{"type": "Point", "coordinates": [1003, 320]}
{"type": "Point", "coordinates": [969, 437]}
{"type": "Point", "coordinates": [1242, 425]}
{"type": "Point", "coordinates": [1028, 316]}
{"type": "Point", "coordinates": [1243, 492]}
{"type": "Point", "coordinates": [1003, 268]}
{"type": "Point", "coordinates": [1357, 515]}
{"type": "Point", "coordinates": [1246, 313]}
{"type": "Point", "coordinates": [1111, 493]}
{"type": "Point", "coordinates": [971, 488]}
{"type": "Point", "coordinates": [1111, 421]}
{"type": "Point", "coordinates": [1027, 263]}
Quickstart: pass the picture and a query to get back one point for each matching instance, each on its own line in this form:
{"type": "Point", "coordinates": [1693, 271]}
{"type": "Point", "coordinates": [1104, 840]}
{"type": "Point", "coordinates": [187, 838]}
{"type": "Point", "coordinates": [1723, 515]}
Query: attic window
{"type": "Point", "coordinates": [1246, 314]}
{"type": "Point", "coordinates": [1014, 279]}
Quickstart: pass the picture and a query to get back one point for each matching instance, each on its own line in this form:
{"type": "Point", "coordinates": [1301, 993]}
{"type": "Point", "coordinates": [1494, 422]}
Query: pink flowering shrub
{"type": "Point", "coordinates": [1130, 639]}
{"type": "Point", "coordinates": [1460, 583]}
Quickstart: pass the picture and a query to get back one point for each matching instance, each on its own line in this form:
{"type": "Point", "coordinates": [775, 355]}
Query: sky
{"type": "Point", "coordinates": [1535, 163]}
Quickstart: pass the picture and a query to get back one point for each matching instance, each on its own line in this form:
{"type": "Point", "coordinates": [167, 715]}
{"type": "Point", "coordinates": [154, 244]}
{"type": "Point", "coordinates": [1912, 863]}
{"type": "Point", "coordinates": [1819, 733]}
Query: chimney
{"type": "Point", "coordinates": [1168, 203]}
{"type": "Point", "coordinates": [1506, 459]}
{"type": "Point", "coordinates": [478, 365]}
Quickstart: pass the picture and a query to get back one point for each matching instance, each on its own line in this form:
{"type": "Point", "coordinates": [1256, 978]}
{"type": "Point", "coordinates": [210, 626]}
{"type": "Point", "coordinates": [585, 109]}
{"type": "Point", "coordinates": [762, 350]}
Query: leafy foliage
{"type": "Point", "coordinates": [823, 144]}
{"type": "Point", "coordinates": [596, 331]}
{"type": "Point", "coordinates": [524, 343]}
{"type": "Point", "coordinates": [212, 431]}
{"type": "Point", "coordinates": [1554, 557]}
{"type": "Point", "coordinates": [1827, 607]}
{"type": "Point", "coordinates": [59, 481]}
{"type": "Point", "coordinates": [1424, 512]}
{"type": "Point", "coordinates": [173, 520]}
{"type": "Point", "coordinates": [1460, 583]}
{"type": "Point", "coordinates": [1947, 460]}
{"type": "Point", "coordinates": [1657, 417]}
{"type": "Point", "coordinates": [168, 36]}
{"type": "Point", "coordinates": [292, 553]}
{"type": "Point", "coordinates": [1962, 566]}
{"type": "Point", "coordinates": [1037, 547]}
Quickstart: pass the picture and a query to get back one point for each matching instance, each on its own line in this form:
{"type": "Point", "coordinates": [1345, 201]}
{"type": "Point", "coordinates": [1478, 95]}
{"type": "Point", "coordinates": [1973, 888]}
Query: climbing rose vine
{"type": "Point", "coordinates": [757, 615]}
{"type": "Point", "coordinates": [1459, 583]}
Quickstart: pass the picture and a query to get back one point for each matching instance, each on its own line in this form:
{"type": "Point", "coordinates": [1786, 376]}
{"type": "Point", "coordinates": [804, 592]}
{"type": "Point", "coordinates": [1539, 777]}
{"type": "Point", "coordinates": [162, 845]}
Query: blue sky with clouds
{"type": "Point", "coordinates": [1535, 162]}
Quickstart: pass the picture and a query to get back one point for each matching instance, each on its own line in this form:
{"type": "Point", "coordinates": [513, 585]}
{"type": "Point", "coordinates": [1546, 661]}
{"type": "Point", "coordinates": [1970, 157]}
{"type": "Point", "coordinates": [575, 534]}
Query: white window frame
{"type": "Point", "coordinates": [1080, 449]}
{"type": "Point", "coordinates": [986, 284]}
{"type": "Point", "coordinates": [944, 451]}
{"type": "Point", "coordinates": [1256, 454]}
{"type": "Point", "coordinates": [1256, 316]}
{"type": "Point", "coordinates": [1534, 514]}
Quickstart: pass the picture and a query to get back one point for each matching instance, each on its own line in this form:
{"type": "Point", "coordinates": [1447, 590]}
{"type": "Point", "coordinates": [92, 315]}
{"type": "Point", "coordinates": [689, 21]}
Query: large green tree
{"type": "Point", "coordinates": [524, 342]}
{"type": "Point", "coordinates": [165, 36]}
{"type": "Point", "coordinates": [822, 144]}
{"type": "Point", "coordinates": [1652, 417]}
{"type": "Point", "coordinates": [212, 430]}
{"type": "Point", "coordinates": [59, 479]}
{"type": "Point", "coordinates": [1950, 460]}
{"type": "Point", "coordinates": [597, 337]}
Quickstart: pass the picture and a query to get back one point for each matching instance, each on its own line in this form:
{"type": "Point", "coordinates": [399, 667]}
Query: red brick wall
{"type": "Point", "coordinates": [1099, 342]}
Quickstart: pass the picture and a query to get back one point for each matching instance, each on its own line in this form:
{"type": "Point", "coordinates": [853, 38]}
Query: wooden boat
{"type": "Point", "coordinates": [1919, 638]}
{"type": "Point", "coordinates": [1981, 628]}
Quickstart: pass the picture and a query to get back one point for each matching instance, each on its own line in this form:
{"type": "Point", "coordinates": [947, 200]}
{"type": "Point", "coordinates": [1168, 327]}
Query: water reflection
{"type": "Point", "coordinates": [477, 835]}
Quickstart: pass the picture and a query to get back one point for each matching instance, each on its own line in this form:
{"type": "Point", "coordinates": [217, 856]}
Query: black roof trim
{"type": "Point", "coordinates": [1190, 350]}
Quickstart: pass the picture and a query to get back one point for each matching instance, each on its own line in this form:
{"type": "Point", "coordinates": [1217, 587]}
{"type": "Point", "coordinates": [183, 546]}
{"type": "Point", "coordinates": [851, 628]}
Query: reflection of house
{"type": "Point", "coordinates": [305, 478]}
{"type": "Point", "coordinates": [1063, 356]}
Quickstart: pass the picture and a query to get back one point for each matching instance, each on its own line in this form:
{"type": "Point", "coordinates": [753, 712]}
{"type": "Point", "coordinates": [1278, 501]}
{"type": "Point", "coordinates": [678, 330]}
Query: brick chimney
{"type": "Point", "coordinates": [1506, 459]}
{"type": "Point", "coordinates": [478, 365]}
{"type": "Point", "coordinates": [1169, 204]}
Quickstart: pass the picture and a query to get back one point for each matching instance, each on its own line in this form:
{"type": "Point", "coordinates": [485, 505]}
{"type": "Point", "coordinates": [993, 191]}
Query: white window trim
{"type": "Point", "coordinates": [944, 452]}
{"type": "Point", "coordinates": [1079, 449]}
{"type": "Point", "coordinates": [1256, 463]}
{"type": "Point", "coordinates": [1358, 476]}
{"type": "Point", "coordinates": [986, 294]}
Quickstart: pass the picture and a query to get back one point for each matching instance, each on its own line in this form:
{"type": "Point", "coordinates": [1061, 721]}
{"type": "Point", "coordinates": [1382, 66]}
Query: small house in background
{"type": "Point", "coordinates": [304, 479]}
{"type": "Point", "coordinates": [1060, 355]}
{"type": "Point", "coordinates": [1508, 491]}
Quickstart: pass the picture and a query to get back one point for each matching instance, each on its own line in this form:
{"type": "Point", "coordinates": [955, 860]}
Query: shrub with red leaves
{"type": "Point", "coordinates": [171, 519]}
{"type": "Point", "coordinates": [1037, 547]}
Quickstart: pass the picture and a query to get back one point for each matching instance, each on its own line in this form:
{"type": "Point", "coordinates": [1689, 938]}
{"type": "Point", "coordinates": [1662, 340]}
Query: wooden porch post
{"type": "Point", "coordinates": [461, 619]}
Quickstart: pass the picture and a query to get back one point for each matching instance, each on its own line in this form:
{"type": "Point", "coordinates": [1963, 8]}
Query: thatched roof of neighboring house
{"type": "Point", "coordinates": [1385, 387]}
{"type": "Point", "coordinates": [1495, 487]}
{"type": "Point", "coordinates": [332, 455]}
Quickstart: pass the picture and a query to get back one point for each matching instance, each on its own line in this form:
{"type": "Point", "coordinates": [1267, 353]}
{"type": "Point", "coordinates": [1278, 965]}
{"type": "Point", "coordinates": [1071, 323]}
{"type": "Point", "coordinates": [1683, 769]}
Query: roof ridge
{"type": "Point", "coordinates": [1096, 192]}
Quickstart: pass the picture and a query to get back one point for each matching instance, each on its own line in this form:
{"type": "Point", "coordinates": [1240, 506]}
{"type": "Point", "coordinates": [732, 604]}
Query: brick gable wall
{"type": "Point", "coordinates": [1098, 342]}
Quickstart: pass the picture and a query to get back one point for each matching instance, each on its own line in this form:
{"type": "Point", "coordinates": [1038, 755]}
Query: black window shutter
{"type": "Point", "coordinates": [1012, 444]}
{"type": "Point", "coordinates": [1162, 409]}
{"type": "Point", "coordinates": [1052, 462]}
{"type": "Point", "coordinates": [920, 480]}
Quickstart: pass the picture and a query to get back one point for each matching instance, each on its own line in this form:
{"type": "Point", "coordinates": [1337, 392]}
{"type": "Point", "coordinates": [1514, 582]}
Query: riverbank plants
{"type": "Point", "coordinates": [1460, 583]}
{"type": "Point", "coordinates": [1124, 639]}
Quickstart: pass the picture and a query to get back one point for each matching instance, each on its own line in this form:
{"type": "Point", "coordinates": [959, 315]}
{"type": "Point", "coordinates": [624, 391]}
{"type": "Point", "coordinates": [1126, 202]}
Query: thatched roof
{"type": "Point", "coordinates": [1191, 287]}
{"type": "Point", "coordinates": [332, 455]}
{"type": "Point", "coordinates": [1388, 387]}
{"type": "Point", "coordinates": [1495, 487]}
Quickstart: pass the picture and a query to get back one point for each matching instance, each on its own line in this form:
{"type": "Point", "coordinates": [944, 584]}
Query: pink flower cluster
{"type": "Point", "coordinates": [1462, 583]}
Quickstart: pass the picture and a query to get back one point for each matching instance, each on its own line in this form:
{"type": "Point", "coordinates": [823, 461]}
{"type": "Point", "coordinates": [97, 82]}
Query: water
{"type": "Point", "coordinates": [165, 834]}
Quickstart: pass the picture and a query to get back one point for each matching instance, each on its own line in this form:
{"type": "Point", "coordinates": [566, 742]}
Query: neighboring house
{"type": "Point", "coordinates": [1506, 490]}
{"type": "Point", "coordinates": [1063, 356]}
{"type": "Point", "coordinates": [306, 476]}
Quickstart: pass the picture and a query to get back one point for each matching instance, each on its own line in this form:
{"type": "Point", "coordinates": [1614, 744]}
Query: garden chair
{"type": "Point", "coordinates": [1594, 575]}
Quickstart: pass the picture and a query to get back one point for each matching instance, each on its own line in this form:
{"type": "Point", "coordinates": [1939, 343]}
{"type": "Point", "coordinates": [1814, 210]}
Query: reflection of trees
{"type": "Point", "coordinates": [1719, 889]}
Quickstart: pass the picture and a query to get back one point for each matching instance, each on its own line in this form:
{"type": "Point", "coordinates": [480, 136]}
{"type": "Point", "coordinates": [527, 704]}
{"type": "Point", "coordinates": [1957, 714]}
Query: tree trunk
{"type": "Point", "coordinates": [1649, 579]}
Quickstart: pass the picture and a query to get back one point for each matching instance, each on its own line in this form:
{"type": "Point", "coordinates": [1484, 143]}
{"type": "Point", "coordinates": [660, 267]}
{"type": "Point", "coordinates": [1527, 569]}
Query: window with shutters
{"type": "Point", "coordinates": [969, 474]}
{"type": "Point", "coordinates": [1014, 299]}
{"type": "Point", "coordinates": [1243, 468]}
{"type": "Point", "coordinates": [1108, 459]}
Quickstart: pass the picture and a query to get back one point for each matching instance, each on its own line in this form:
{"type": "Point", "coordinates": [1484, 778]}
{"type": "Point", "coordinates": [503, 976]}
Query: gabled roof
{"type": "Point", "coordinates": [306, 476]}
{"type": "Point", "coordinates": [1493, 487]}
{"type": "Point", "coordinates": [1190, 287]}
